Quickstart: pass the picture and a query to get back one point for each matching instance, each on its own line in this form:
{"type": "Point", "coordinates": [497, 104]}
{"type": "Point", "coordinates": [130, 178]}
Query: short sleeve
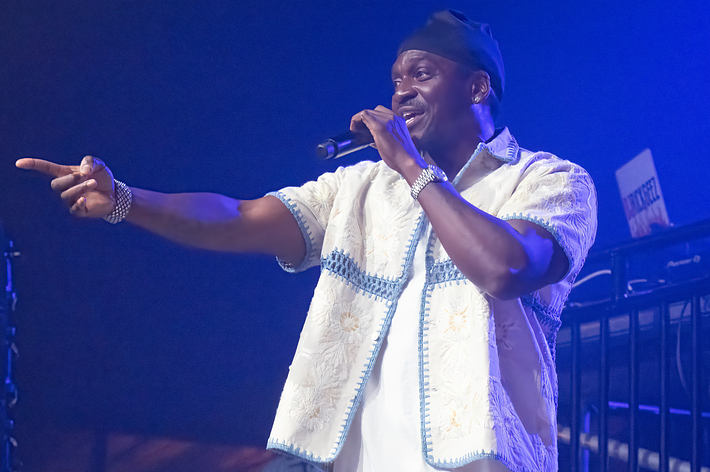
{"type": "Point", "coordinates": [560, 197]}
{"type": "Point", "coordinates": [311, 204]}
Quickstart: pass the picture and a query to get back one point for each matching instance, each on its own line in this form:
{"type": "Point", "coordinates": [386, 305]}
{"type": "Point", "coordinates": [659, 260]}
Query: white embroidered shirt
{"type": "Point", "coordinates": [487, 384]}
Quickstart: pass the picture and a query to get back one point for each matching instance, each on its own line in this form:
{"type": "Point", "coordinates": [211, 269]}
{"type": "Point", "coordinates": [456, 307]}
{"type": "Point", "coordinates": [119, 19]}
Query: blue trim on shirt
{"type": "Point", "coordinates": [511, 156]}
{"type": "Point", "coordinates": [465, 167]}
{"type": "Point", "coordinates": [377, 343]}
{"type": "Point", "coordinates": [550, 228]}
{"type": "Point", "coordinates": [424, 355]}
{"type": "Point", "coordinates": [546, 317]}
{"type": "Point", "coordinates": [343, 266]}
{"type": "Point", "coordinates": [305, 231]}
{"type": "Point", "coordinates": [316, 461]}
{"type": "Point", "coordinates": [443, 273]}
{"type": "Point", "coordinates": [467, 459]}
{"type": "Point", "coordinates": [474, 456]}
{"type": "Point", "coordinates": [339, 264]}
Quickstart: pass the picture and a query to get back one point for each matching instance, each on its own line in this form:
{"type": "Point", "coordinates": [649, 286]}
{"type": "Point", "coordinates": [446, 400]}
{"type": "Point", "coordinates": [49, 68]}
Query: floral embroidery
{"type": "Point", "coordinates": [354, 238]}
{"type": "Point", "coordinates": [482, 309]}
{"type": "Point", "coordinates": [493, 398]}
{"type": "Point", "coordinates": [383, 239]}
{"type": "Point", "coordinates": [321, 305]}
{"type": "Point", "coordinates": [397, 188]}
{"type": "Point", "coordinates": [366, 224]}
{"type": "Point", "coordinates": [348, 324]}
{"type": "Point", "coordinates": [454, 325]}
{"type": "Point", "coordinates": [517, 452]}
{"type": "Point", "coordinates": [457, 319]}
{"type": "Point", "coordinates": [451, 420]}
{"type": "Point", "coordinates": [455, 418]}
{"type": "Point", "coordinates": [332, 233]}
{"type": "Point", "coordinates": [550, 192]}
{"type": "Point", "coordinates": [319, 199]}
{"type": "Point", "coordinates": [482, 410]}
{"type": "Point", "coordinates": [313, 402]}
{"type": "Point", "coordinates": [503, 330]}
{"type": "Point", "coordinates": [459, 326]}
{"type": "Point", "coordinates": [458, 414]}
{"type": "Point", "coordinates": [518, 447]}
{"type": "Point", "coordinates": [345, 230]}
{"type": "Point", "coordinates": [382, 245]}
{"type": "Point", "coordinates": [548, 189]}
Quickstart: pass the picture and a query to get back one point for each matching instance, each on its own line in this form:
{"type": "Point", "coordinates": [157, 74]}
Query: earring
{"type": "Point", "coordinates": [477, 100]}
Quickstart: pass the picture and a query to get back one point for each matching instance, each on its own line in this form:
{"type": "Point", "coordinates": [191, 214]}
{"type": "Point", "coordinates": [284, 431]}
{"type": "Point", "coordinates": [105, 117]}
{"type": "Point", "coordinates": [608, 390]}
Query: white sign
{"type": "Point", "coordinates": [641, 195]}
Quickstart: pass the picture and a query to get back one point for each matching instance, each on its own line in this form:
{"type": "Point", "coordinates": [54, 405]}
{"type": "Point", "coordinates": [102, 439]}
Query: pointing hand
{"type": "Point", "coordinates": [87, 189]}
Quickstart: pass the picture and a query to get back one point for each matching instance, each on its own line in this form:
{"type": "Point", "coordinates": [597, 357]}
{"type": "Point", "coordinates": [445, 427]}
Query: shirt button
{"type": "Point", "coordinates": [375, 336]}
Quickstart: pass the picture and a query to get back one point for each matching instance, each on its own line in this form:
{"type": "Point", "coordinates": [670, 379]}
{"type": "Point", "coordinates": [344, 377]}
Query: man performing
{"type": "Point", "coordinates": [429, 343]}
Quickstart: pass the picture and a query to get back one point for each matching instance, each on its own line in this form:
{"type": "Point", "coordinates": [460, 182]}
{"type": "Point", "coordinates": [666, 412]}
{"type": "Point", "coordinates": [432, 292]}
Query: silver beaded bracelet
{"type": "Point", "coordinates": [124, 198]}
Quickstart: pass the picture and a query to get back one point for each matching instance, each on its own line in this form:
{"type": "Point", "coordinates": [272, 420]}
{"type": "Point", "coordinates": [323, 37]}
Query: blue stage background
{"type": "Point", "coordinates": [121, 331]}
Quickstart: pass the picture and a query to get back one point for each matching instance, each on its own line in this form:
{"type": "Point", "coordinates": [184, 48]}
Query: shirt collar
{"type": "Point", "coordinates": [503, 147]}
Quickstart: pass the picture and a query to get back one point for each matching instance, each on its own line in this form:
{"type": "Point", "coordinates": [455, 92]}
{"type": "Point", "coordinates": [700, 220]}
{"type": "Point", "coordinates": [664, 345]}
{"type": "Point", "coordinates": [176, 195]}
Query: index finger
{"type": "Point", "coordinates": [357, 125]}
{"type": "Point", "coordinates": [46, 167]}
{"type": "Point", "coordinates": [384, 109]}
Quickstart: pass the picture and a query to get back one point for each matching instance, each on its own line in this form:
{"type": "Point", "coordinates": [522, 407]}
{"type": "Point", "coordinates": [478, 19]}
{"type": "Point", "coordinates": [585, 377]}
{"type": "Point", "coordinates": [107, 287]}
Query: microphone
{"type": "Point", "coordinates": [342, 144]}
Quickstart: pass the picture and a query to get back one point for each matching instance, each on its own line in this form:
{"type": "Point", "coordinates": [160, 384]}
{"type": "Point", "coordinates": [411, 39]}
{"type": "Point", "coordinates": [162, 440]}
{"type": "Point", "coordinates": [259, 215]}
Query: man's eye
{"type": "Point", "coordinates": [421, 74]}
{"type": "Point", "coordinates": [396, 83]}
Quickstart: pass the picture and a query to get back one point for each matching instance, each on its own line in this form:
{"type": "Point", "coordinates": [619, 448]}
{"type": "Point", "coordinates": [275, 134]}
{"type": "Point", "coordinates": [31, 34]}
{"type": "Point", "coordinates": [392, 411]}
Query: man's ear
{"type": "Point", "coordinates": [480, 87]}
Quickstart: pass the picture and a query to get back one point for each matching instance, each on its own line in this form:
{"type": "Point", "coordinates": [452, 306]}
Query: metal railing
{"type": "Point", "coordinates": [652, 306]}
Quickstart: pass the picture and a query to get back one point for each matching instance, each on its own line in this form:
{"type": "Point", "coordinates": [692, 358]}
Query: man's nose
{"type": "Point", "coordinates": [403, 92]}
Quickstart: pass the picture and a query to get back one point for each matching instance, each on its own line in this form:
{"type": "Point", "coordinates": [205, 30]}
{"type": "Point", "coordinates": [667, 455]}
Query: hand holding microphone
{"type": "Point", "coordinates": [360, 135]}
{"type": "Point", "coordinates": [383, 128]}
{"type": "Point", "coordinates": [344, 143]}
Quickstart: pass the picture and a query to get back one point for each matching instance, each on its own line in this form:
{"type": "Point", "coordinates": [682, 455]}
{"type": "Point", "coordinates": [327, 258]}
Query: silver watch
{"type": "Point", "coordinates": [428, 175]}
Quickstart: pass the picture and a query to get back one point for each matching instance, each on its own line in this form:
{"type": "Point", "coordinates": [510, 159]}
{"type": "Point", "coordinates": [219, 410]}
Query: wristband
{"type": "Point", "coordinates": [124, 198]}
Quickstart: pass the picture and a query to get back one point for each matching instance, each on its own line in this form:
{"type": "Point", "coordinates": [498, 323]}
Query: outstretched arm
{"type": "Point", "coordinates": [203, 220]}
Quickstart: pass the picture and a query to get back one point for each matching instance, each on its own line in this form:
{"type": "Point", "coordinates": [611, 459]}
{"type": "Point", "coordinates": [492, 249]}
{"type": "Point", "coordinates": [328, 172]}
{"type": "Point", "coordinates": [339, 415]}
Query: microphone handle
{"type": "Point", "coordinates": [343, 144]}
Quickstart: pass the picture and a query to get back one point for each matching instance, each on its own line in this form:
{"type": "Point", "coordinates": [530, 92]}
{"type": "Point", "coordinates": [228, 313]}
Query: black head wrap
{"type": "Point", "coordinates": [449, 34]}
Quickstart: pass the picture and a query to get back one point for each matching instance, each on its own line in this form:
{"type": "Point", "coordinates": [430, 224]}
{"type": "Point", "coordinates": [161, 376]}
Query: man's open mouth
{"type": "Point", "coordinates": [411, 116]}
